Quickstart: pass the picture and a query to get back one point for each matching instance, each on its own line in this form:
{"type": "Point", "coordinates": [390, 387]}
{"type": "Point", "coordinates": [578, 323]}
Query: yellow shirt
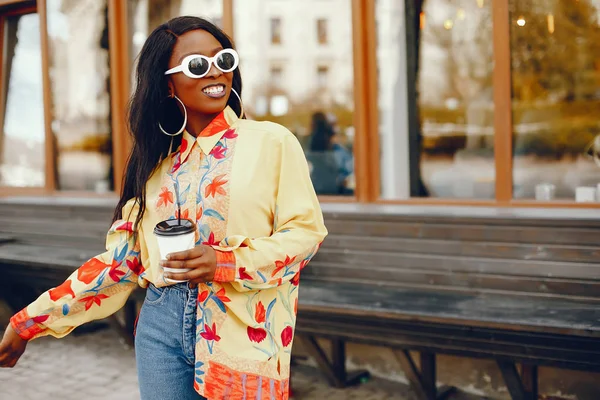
{"type": "Point", "coordinates": [247, 186]}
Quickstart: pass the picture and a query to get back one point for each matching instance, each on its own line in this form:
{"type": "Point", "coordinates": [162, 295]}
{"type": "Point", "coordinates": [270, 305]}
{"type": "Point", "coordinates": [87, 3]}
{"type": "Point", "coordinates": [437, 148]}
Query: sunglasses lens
{"type": "Point", "coordinates": [198, 66]}
{"type": "Point", "coordinates": [226, 61]}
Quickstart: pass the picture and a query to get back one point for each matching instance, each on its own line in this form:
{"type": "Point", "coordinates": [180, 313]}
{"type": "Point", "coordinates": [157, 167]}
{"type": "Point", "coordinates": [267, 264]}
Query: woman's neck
{"type": "Point", "coordinates": [197, 122]}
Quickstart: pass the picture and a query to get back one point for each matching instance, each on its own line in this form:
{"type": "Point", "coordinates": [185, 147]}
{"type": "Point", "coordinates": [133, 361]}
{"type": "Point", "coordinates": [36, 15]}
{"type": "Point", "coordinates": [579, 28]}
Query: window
{"type": "Point", "coordinates": [277, 77]}
{"type": "Point", "coordinates": [322, 76]}
{"type": "Point", "coordinates": [146, 15]}
{"type": "Point", "coordinates": [301, 94]}
{"type": "Point", "coordinates": [22, 137]}
{"type": "Point", "coordinates": [437, 125]}
{"type": "Point", "coordinates": [555, 99]}
{"type": "Point", "coordinates": [80, 89]}
{"type": "Point", "coordinates": [322, 31]}
{"type": "Point", "coordinates": [275, 30]}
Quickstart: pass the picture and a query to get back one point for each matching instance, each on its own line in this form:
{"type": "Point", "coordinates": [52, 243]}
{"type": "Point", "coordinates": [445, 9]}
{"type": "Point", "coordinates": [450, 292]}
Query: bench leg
{"type": "Point", "coordinates": [530, 379]}
{"type": "Point", "coordinates": [423, 380]}
{"type": "Point", "coordinates": [520, 386]}
{"type": "Point", "coordinates": [334, 370]}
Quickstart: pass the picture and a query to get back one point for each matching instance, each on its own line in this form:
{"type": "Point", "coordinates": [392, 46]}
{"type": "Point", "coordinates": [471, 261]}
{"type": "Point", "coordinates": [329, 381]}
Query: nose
{"type": "Point", "coordinates": [214, 72]}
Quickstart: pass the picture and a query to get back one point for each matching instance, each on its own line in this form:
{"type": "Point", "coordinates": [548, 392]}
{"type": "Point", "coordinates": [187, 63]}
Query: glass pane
{"type": "Point", "coordinates": [291, 77]}
{"type": "Point", "coordinates": [275, 30]}
{"type": "Point", "coordinates": [146, 15]}
{"type": "Point", "coordinates": [436, 99]}
{"type": "Point", "coordinates": [322, 31]}
{"type": "Point", "coordinates": [555, 48]}
{"type": "Point", "coordinates": [22, 137]}
{"type": "Point", "coordinates": [80, 88]}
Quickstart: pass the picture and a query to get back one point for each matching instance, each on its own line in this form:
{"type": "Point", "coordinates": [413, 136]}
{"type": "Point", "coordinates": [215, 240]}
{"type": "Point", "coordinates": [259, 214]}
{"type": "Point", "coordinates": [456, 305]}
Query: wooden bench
{"type": "Point", "coordinates": [517, 286]}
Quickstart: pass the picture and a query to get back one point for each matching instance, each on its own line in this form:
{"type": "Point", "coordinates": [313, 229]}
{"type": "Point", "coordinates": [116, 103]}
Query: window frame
{"type": "Point", "coordinates": [322, 24]}
{"type": "Point", "coordinates": [8, 9]}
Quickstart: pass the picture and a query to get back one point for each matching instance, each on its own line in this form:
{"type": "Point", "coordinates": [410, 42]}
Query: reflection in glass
{"type": "Point", "coordinates": [443, 145]}
{"type": "Point", "coordinates": [22, 119]}
{"type": "Point", "coordinates": [555, 48]}
{"type": "Point", "coordinates": [275, 30]}
{"type": "Point", "coordinates": [300, 83]}
{"type": "Point", "coordinates": [322, 31]}
{"type": "Point", "coordinates": [80, 87]}
{"type": "Point", "coordinates": [146, 15]}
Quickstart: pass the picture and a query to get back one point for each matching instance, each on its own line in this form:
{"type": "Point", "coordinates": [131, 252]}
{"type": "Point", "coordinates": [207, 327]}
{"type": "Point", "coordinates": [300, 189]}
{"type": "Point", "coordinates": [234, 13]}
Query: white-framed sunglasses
{"type": "Point", "coordinates": [197, 66]}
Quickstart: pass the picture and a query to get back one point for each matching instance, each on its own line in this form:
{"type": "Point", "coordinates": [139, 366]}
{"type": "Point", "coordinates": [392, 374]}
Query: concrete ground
{"type": "Point", "coordinates": [99, 365]}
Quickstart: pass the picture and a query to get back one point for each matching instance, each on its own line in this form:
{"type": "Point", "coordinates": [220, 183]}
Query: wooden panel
{"type": "Point", "coordinates": [502, 101]}
{"type": "Point", "coordinates": [50, 145]}
{"type": "Point", "coordinates": [463, 232]}
{"type": "Point", "coordinates": [371, 102]}
{"type": "Point", "coordinates": [361, 121]}
{"type": "Point", "coordinates": [44, 256]}
{"type": "Point", "coordinates": [119, 87]}
{"type": "Point", "coordinates": [436, 281]}
{"type": "Point", "coordinates": [523, 251]}
{"type": "Point", "coordinates": [228, 22]}
{"type": "Point", "coordinates": [454, 264]}
{"type": "Point", "coordinates": [562, 351]}
{"type": "Point", "coordinates": [70, 227]}
{"type": "Point", "coordinates": [579, 318]}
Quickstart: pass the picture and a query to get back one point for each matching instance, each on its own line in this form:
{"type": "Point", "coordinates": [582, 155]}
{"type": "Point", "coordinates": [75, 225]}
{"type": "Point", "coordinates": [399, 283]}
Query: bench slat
{"type": "Point", "coordinates": [522, 251]}
{"type": "Point", "coordinates": [509, 312]}
{"type": "Point", "coordinates": [453, 281]}
{"type": "Point", "coordinates": [459, 264]}
{"type": "Point", "coordinates": [466, 232]}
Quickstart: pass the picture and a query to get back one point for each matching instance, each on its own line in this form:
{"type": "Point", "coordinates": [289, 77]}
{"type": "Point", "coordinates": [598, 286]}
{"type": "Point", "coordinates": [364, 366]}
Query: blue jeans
{"type": "Point", "coordinates": [165, 342]}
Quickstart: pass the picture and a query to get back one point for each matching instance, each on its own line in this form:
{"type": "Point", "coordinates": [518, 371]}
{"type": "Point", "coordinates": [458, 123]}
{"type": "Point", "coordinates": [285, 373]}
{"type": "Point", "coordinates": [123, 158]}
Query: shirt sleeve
{"type": "Point", "coordinates": [99, 288]}
{"type": "Point", "coordinates": [267, 262]}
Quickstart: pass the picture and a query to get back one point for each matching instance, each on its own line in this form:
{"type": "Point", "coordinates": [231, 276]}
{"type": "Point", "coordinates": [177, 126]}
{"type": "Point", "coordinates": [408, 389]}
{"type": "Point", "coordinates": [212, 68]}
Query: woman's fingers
{"type": "Point", "coordinates": [188, 259]}
{"type": "Point", "coordinates": [196, 252]}
{"type": "Point", "coordinates": [198, 274]}
{"type": "Point", "coordinates": [199, 261]}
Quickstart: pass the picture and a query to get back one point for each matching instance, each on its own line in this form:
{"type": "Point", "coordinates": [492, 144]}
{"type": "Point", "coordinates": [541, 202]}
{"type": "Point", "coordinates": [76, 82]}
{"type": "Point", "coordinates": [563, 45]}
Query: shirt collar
{"type": "Point", "coordinates": [210, 136]}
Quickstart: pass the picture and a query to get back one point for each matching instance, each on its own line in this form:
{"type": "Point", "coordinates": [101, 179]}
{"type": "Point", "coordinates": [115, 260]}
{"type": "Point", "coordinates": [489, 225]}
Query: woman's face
{"type": "Point", "coordinates": [200, 95]}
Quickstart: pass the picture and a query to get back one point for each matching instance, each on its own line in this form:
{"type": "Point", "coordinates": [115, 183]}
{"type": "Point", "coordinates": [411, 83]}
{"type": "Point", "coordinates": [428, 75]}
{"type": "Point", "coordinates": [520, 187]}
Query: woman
{"type": "Point", "coordinates": [226, 331]}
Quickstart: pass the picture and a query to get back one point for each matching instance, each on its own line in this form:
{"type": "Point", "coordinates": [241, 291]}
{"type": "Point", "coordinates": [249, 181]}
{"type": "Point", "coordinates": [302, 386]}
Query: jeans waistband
{"type": "Point", "coordinates": [182, 287]}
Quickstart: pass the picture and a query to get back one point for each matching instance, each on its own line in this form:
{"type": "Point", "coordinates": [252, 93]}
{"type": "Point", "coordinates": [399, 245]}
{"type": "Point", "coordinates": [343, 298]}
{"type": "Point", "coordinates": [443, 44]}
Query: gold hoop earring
{"type": "Point", "coordinates": [242, 114]}
{"type": "Point", "coordinates": [180, 131]}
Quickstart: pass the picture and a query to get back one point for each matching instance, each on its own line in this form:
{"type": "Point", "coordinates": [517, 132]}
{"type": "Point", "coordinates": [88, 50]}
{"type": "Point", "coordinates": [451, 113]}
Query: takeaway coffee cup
{"type": "Point", "coordinates": [174, 235]}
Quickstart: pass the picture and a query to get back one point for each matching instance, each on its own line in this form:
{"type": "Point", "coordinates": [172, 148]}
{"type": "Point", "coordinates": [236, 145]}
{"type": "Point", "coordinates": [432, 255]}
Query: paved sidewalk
{"type": "Point", "coordinates": [98, 365]}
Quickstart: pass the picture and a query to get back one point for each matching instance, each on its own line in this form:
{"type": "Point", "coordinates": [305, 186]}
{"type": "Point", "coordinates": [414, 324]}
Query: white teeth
{"type": "Point", "coordinates": [214, 90]}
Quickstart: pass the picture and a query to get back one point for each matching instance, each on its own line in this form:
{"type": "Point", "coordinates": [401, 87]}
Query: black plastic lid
{"type": "Point", "coordinates": [171, 227]}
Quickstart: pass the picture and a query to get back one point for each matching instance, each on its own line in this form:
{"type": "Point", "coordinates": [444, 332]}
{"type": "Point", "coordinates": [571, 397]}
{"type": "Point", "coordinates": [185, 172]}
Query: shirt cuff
{"type": "Point", "coordinates": [25, 326]}
{"type": "Point", "coordinates": [225, 271]}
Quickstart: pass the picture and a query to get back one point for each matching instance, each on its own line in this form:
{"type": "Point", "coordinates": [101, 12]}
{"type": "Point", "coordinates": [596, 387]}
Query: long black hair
{"type": "Point", "coordinates": [150, 145]}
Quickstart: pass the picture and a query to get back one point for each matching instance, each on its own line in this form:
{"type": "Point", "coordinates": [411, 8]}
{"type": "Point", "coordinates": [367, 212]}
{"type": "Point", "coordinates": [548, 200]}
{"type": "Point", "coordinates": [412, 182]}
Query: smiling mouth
{"type": "Point", "coordinates": [214, 91]}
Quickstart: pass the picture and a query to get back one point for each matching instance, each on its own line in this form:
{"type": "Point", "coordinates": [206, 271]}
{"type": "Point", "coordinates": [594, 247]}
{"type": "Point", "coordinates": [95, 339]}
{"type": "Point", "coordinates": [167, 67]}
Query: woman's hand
{"type": "Point", "coordinates": [12, 348]}
{"type": "Point", "coordinates": [201, 260]}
